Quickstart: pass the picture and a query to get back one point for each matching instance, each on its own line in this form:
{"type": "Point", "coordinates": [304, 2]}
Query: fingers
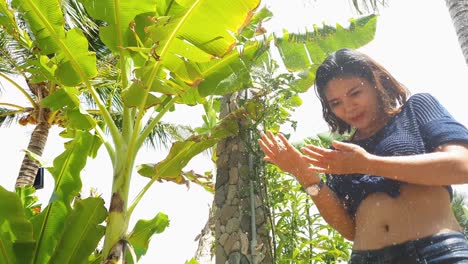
{"type": "Point", "coordinates": [343, 145]}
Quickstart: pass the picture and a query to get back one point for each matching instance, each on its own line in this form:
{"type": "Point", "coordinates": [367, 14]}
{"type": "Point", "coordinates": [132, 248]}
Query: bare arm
{"type": "Point", "coordinates": [280, 152]}
{"type": "Point", "coordinates": [447, 165]}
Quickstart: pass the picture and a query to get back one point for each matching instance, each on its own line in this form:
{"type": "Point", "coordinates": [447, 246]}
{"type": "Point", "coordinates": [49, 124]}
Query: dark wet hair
{"type": "Point", "coordinates": [351, 63]}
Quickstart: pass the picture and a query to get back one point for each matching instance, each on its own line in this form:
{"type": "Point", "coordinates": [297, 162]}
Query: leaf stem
{"type": "Point", "coordinates": [139, 196]}
{"type": "Point", "coordinates": [17, 86]}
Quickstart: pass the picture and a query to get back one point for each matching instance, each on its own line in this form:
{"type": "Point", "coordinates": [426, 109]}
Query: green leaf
{"type": "Point", "coordinates": [65, 97]}
{"type": "Point", "coordinates": [192, 261]}
{"type": "Point", "coordinates": [143, 231]}
{"type": "Point", "coordinates": [300, 51]}
{"type": "Point", "coordinates": [46, 22]}
{"type": "Point", "coordinates": [82, 232]}
{"type": "Point", "coordinates": [182, 152]}
{"type": "Point", "coordinates": [178, 44]}
{"type": "Point", "coordinates": [28, 198]}
{"type": "Point", "coordinates": [68, 165]}
{"type": "Point", "coordinates": [75, 64]}
{"type": "Point", "coordinates": [117, 15]}
{"type": "Point", "coordinates": [7, 18]}
{"type": "Point", "coordinates": [48, 228]}
{"type": "Point", "coordinates": [16, 232]}
{"type": "Point", "coordinates": [78, 118]}
{"type": "Point", "coordinates": [232, 72]}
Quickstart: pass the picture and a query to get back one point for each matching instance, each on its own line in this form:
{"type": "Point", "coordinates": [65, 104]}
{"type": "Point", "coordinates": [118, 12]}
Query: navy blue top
{"type": "Point", "coordinates": [422, 125]}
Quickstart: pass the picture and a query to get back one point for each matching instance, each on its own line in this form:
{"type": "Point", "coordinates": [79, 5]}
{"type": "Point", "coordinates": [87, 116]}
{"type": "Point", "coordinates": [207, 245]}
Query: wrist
{"type": "Point", "coordinates": [368, 167]}
{"type": "Point", "coordinates": [314, 189]}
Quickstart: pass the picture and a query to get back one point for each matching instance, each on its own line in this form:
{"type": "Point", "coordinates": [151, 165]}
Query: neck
{"type": "Point", "coordinates": [363, 133]}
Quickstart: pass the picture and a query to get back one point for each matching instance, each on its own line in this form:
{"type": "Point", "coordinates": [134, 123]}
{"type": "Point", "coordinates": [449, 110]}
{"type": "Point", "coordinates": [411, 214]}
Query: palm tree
{"type": "Point", "coordinates": [459, 12]}
{"type": "Point", "coordinates": [15, 64]}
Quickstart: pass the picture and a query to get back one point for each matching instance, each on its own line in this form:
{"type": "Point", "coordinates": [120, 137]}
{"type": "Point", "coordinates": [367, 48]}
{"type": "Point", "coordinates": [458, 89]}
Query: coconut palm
{"type": "Point", "coordinates": [15, 64]}
{"type": "Point", "coordinates": [459, 13]}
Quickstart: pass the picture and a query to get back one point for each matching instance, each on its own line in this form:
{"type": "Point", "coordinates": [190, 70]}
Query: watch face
{"type": "Point", "coordinates": [313, 190]}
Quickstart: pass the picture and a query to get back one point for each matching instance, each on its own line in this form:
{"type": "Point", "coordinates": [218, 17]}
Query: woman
{"type": "Point", "coordinates": [388, 188]}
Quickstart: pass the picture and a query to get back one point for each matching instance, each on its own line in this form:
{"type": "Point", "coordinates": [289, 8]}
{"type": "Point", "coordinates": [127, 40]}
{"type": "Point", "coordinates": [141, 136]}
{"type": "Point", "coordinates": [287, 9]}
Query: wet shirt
{"type": "Point", "coordinates": [420, 127]}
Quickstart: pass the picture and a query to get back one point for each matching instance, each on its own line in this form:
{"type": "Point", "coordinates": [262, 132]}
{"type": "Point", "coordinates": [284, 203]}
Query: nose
{"type": "Point", "coordinates": [349, 107]}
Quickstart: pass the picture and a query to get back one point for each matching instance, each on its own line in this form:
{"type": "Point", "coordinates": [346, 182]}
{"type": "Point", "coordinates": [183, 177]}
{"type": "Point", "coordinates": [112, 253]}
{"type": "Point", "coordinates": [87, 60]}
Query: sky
{"type": "Point", "coordinates": [415, 41]}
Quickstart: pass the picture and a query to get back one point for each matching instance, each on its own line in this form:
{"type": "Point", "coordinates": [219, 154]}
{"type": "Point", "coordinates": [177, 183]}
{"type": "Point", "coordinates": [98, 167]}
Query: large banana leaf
{"type": "Point", "coordinates": [16, 233]}
{"type": "Point", "coordinates": [48, 228]}
{"type": "Point", "coordinates": [182, 152]}
{"type": "Point", "coordinates": [75, 63]}
{"type": "Point", "coordinates": [193, 32]}
{"type": "Point", "coordinates": [68, 165]}
{"type": "Point", "coordinates": [67, 99]}
{"type": "Point", "coordinates": [48, 225]}
{"type": "Point", "coordinates": [82, 232]}
{"type": "Point", "coordinates": [117, 15]}
{"type": "Point", "coordinates": [303, 53]}
{"type": "Point", "coordinates": [300, 51]}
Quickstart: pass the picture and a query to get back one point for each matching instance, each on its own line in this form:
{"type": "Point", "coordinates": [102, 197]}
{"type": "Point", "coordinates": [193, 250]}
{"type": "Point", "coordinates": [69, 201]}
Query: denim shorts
{"type": "Point", "coordinates": [444, 248]}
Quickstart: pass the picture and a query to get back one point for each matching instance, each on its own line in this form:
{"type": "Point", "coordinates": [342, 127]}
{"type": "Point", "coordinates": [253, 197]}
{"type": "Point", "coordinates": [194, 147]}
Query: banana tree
{"type": "Point", "coordinates": [169, 53]}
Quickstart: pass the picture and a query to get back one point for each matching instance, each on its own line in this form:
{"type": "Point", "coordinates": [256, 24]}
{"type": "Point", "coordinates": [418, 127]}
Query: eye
{"type": "Point", "coordinates": [355, 92]}
{"type": "Point", "coordinates": [334, 104]}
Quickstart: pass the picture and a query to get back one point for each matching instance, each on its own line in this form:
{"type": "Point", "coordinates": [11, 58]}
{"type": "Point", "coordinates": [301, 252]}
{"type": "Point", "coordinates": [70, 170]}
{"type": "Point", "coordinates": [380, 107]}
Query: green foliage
{"type": "Point", "coordinates": [163, 53]}
{"type": "Point", "coordinates": [143, 231]}
{"type": "Point", "coordinates": [460, 210]}
{"type": "Point", "coordinates": [29, 201]}
{"type": "Point", "coordinates": [83, 222]}
{"type": "Point", "coordinates": [16, 232]}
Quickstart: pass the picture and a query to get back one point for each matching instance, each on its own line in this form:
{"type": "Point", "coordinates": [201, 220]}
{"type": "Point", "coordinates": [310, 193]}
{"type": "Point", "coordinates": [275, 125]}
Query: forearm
{"type": "Point", "coordinates": [437, 168]}
{"type": "Point", "coordinates": [333, 211]}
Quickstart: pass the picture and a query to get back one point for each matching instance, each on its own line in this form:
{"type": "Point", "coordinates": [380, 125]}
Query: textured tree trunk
{"type": "Point", "coordinates": [29, 167]}
{"type": "Point", "coordinates": [458, 10]}
{"type": "Point", "coordinates": [241, 236]}
{"type": "Point", "coordinates": [204, 253]}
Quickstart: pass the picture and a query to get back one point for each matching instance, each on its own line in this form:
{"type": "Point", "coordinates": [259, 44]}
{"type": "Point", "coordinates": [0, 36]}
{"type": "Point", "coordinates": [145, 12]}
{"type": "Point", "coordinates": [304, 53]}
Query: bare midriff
{"type": "Point", "coordinates": [418, 211]}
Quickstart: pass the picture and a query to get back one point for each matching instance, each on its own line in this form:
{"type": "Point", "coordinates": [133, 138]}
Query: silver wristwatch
{"type": "Point", "coordinates": [314, 189]}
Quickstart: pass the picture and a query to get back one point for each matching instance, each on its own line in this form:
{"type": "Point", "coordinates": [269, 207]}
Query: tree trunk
{"type": "Point", "coordinates": [458, 10]}
{"type": "Point", "coordinates": [204, 253]}
{"type": "Point", "coordinates": [237, 239]}
{"type": "Point", "coordinates": [29, 167]}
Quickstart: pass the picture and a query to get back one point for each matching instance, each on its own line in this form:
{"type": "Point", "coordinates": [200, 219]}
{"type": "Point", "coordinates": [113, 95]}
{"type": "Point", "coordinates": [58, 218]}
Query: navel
{"type": "Point", "coordinates": [387, 228]}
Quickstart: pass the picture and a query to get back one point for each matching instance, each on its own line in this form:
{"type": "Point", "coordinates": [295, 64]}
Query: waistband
{"type": "Point", "coordinates": [412, 244]}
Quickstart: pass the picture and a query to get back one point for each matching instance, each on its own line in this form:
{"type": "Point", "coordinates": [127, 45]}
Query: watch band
{"type": "Point", "coordinates": [314, 189]}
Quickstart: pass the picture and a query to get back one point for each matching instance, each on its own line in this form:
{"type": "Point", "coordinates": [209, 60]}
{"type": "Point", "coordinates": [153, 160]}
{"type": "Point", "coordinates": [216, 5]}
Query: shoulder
{"type": "Point", "coordinates": [422, 99]}
{"type": "Point", "coordinates": [425, 104]}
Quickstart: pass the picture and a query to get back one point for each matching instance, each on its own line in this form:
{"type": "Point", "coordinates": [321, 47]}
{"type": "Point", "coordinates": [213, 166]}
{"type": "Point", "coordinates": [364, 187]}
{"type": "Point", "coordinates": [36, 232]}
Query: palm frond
{"type": "Point", "coordinates": [166, 133]}
{"type": "Point", "coordinates": [13, 56]}
{"type": "Point", "coordinates": [9, 116]}
{"type": "Point", "coordinates": [368, 6]}
{"type": "Point", "coordinates": [76, 16]}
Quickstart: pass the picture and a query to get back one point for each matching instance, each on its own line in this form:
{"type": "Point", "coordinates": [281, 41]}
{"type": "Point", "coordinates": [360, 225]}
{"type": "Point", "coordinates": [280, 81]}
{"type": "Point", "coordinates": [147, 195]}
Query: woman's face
{"type": "Point", "coordinates": [354, 100]}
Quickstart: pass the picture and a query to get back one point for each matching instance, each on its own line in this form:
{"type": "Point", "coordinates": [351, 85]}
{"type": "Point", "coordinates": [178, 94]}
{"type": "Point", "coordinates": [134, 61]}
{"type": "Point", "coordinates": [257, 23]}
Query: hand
{"type": "Point", "coordinates": [347, 158]}
{"type": "Point", "coordinates": [280, 152]}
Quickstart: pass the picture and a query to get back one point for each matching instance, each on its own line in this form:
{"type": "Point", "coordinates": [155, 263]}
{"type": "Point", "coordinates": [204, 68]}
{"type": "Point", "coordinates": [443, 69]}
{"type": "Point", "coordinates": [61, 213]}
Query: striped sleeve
{"type": "Point", "coordinates": [436, 125]}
